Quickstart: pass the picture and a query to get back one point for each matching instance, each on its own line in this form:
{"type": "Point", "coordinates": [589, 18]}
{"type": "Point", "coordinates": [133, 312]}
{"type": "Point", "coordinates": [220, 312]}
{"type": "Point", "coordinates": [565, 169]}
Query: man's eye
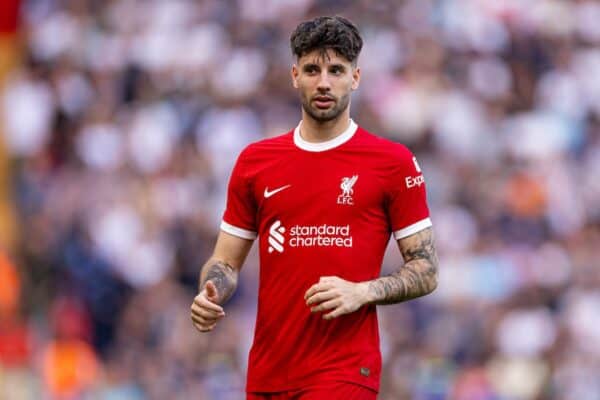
{"type": "Point", "coordinates": [336, 71]}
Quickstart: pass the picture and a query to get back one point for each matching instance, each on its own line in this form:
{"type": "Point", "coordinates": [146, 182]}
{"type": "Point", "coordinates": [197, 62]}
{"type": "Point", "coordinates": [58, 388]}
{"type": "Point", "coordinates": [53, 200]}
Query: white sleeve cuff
{"type": "Point", "coordinates": [412, 229]}
{"type": "Point", "coordinates": [239, 232]}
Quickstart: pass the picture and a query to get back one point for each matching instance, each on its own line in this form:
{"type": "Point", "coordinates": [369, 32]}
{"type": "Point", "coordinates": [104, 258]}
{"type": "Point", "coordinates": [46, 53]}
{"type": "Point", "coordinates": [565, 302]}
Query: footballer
{"type": "Point", "coordinates": [322, 202]}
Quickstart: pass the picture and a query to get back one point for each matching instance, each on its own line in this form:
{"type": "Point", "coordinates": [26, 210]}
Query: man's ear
{"type": "Point", "coordinates": [295, 73]}
{"type": "Point", "coordinates": [355, 78]}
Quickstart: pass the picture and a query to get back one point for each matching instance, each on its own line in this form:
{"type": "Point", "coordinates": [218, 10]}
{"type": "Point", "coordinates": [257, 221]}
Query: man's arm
{"type": "Point", "coordinates": [223, 267]}
{"type": "Point", "coordinates": [218, 280]}
{"type": "Point", "coordinates": [417, 277]}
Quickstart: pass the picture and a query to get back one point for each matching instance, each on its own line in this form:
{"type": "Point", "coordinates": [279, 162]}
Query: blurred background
{"type": "Point", "coordinates": [120, 121]}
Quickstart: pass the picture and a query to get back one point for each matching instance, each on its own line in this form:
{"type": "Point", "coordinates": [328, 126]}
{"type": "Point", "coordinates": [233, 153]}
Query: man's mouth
{"type": "Point", "coordinates": [323, 101]}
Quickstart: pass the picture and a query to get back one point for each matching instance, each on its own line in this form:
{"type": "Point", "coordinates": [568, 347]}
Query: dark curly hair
{"type": "Point", "coordinates": [323, 33]}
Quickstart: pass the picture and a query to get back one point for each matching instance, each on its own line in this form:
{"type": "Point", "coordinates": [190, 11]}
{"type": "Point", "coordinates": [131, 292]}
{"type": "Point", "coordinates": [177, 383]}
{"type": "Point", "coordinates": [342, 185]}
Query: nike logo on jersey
{"type": "Point", "coordinates": [273, 192]}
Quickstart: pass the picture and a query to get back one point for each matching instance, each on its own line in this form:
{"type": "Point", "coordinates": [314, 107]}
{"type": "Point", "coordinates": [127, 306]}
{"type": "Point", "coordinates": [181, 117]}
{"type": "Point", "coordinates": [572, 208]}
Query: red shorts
{"type": "Point", "coordinates": [326, 391]}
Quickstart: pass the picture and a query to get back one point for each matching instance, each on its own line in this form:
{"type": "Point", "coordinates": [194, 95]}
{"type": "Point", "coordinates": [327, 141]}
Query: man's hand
{"type": "Point", "coordinates": [337, 294]}
{"type": "Point", "coordinates": [205, 310]}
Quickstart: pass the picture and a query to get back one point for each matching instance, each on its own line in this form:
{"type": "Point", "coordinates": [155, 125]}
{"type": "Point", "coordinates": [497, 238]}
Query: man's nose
{"type": "Point", "coordinates": [324, 84]}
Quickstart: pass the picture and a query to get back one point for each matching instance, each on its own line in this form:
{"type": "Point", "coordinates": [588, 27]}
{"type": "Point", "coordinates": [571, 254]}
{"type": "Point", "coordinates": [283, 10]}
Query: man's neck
{"type": "Point", "coordinates": [314, 131]}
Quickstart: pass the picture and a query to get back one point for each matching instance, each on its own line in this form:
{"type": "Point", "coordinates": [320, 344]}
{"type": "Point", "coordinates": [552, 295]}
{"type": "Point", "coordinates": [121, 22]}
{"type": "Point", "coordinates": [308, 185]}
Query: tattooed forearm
{"type": "Point", "coordinates": [224, 277]}
{"type": "Point", "coordinates": [416, 278]}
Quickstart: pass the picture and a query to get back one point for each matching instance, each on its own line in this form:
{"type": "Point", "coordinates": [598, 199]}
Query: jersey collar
{"type": "Point", "coordinates": [327, 145]}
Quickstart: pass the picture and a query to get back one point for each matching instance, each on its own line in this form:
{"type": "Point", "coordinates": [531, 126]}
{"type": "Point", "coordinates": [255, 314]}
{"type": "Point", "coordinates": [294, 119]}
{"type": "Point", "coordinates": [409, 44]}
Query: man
{"type": "Point", "coordinates": [323, 200]}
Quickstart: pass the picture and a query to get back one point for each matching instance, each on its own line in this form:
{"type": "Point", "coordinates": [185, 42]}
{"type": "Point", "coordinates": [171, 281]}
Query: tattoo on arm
{"type": "Point", "coordinates": [416, 278]}
{"type": "Point", "coordinates": [224, 277]}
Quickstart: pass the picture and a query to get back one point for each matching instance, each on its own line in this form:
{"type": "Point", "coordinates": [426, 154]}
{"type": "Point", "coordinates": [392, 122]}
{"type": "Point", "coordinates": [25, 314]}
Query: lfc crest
{"type": "Point", "coordinates": [347, 190]}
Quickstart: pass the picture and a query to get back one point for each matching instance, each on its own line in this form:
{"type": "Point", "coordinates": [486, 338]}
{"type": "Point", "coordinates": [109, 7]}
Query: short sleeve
{"type": "Point", "coordinates": [407, 198]}
{"type": "Point", "coordinates": [239, 218]}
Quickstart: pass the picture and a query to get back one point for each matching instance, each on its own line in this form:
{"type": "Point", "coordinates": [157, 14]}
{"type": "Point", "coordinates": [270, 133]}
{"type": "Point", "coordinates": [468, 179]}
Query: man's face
{"type": "Point", "coordinates": [325, 80]}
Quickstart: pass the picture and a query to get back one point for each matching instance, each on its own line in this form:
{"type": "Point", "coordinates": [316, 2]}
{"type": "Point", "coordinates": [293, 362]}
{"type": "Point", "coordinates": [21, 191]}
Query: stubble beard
{"type": "Point", "coordinates": [329, 114]}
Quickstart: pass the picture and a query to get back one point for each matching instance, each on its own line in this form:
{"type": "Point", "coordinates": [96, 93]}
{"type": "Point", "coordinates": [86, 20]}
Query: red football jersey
{"type": "Point", "coordinates": [320, 209]}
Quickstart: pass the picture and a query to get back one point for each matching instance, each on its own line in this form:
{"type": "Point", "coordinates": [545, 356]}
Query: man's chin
{"type": "Point", "coordinates": [324, 115]}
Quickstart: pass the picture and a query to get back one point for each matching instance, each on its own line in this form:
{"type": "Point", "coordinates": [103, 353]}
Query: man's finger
{"type": "Point", "coordinates": [317, 287]}
{"type": "Point", "coordinates": [330, 279]}
{"type": "Point", "coordinates": [328, 305]}
{"type": "Point", "coordinates": [199, 320]}
{"type": "Point", "coordinates": [206, 314]}
{"type": "Point", "coordinates": [203, 321]}
{"type": "Point", "coordinates": [335, 313]}
{"type": "Point", "coordinates": [205, 302]}
{"type": "Point", "coordinates": [320, 297]}
{"type": "Point", "coordinates": [204, 328]}
{"type": "Point", "coordinates": [211, 291]}
{"type": "Point", "coordinates": [202, 308]}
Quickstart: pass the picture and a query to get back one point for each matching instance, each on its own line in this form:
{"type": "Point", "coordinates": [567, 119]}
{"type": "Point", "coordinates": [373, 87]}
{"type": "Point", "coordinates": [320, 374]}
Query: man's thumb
{"type": "Point", "coordinates": [211, 290]}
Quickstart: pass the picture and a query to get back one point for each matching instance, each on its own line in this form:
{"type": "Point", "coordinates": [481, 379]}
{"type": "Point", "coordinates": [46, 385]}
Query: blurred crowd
{"type": "Point", "coordinates": [123, 122]}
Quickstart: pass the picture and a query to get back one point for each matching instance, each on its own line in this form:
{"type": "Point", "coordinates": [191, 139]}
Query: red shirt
{"type": "Point", "coordinates": [320, 209]}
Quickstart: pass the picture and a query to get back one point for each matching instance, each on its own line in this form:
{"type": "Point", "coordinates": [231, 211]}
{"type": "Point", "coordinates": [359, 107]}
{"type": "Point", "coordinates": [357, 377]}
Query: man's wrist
{"type": "Point", "coordinates": [366, 297]}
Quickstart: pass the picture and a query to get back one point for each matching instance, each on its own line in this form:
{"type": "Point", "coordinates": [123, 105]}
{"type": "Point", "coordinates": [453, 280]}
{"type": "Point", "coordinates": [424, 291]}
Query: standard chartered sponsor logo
{"type": "Point", "coordinates": [320, 235]}
{"type": "Point", "coordinates": [309, 236]}
{"type": "Point", "coordinates": [276, 238]}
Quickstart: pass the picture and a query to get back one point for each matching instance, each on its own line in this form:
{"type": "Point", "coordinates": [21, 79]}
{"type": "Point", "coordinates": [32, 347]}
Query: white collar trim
{"type": "Point", "coordinates": [327, 145]}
